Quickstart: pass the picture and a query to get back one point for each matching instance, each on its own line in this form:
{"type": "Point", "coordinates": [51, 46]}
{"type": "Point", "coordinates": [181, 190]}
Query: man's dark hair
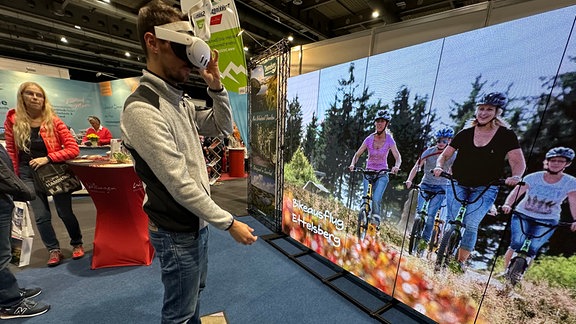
{"type": "Point", "coordinates": [155, 13]}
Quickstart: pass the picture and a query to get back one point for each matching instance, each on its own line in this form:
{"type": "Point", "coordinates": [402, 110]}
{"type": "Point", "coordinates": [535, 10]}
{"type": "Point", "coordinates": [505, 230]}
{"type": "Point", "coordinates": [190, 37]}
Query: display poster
{"type": "Point", "coordinates": [426, 88]}
{"type": "Point", "coordinates": [224, 28]}
{"type": "Point", "coordinates": [113, 94]}
{"type": "Point", "coordinates": [263, 135]}
{"type": "Point", "coordinates": [73, 101]}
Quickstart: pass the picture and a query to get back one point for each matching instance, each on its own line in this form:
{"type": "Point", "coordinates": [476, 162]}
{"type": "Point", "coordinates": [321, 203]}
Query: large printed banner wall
{"type": "Point", "coordinates": [332, 114]}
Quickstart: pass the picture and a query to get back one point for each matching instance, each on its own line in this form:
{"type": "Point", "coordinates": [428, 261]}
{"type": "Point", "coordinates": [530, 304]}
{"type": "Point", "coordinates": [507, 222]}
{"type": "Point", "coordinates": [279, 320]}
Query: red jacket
{"type": "Point", "coordinates": [103, 133]}
{"type": "Point", "coordinates": [63, 146]}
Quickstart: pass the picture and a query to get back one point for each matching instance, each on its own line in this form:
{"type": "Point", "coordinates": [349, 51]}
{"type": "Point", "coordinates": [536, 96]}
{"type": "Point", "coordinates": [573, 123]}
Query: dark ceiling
{"type": "Point", "coordinates": [31, 30]}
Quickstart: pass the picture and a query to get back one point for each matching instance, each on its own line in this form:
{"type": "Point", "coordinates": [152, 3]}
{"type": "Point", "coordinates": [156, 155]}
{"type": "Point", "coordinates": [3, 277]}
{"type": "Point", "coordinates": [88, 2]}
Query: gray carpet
{"type": "Point", "coordinates": [251, 284]}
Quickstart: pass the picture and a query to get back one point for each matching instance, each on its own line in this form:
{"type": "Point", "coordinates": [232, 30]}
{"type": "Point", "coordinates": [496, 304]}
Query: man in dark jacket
{"type": "Point", "coordinates": [15, 302]}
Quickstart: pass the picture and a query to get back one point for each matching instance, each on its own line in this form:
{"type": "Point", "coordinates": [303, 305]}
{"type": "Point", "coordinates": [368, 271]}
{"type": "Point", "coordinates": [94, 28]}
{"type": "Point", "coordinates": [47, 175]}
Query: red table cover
{"type": "Point", "coordinates": [121, 236]}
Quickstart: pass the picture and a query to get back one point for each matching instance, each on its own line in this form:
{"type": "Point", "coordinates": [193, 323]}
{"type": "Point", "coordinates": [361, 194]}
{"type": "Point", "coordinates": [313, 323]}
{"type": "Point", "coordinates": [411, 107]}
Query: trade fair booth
{"type": "Point", "coordinates": [303, 113]}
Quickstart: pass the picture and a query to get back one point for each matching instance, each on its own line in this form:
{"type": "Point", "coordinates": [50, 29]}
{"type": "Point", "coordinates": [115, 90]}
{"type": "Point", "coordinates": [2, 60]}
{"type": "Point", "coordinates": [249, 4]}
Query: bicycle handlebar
{"type": "Point", "coordinates": [536, 222]}
{"type": "Point", "coordinates": [498, 182]}
{"type": "Point", "coordinates": [371, 174]}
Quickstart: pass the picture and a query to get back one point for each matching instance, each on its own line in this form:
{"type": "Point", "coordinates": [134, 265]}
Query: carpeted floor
{"type": "Point", "coordinates": [251, 284]}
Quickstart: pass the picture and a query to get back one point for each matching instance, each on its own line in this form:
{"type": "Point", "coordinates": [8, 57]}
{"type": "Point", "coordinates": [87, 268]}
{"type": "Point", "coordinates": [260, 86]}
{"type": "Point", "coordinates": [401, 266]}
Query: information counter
{"type": "Point", "coordinates": [121, 235]}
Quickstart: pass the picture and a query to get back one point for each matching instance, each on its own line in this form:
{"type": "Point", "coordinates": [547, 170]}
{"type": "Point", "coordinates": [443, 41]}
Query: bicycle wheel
{"type": "Point", "coordinates": [450, 241]}
{"type": "Point", "coordinates": [434, 239]}
{"type": "Point", "coordinates": [516, 270]}
{"type": "Point", "coordinates": [362, 225]}
{"type": "Point", "coordinates": [415, 235]}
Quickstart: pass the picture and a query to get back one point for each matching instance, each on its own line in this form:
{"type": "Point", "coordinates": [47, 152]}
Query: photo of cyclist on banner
{"type": "Point", "coordinates": [431, 190]}
{"type": "Point", "coordinates": [378, 144]}
{"type": "Point", "coordinates": [537, 215]}
{"type": "Point", "coordinates": [483, 148]}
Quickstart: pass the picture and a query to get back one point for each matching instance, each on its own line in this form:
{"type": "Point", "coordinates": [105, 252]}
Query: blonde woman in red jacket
{"type": "Point", "coordinates": [36, 136]}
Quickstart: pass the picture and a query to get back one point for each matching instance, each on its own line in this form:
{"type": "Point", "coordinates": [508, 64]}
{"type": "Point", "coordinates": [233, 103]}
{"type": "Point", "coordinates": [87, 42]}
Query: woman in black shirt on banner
{"type": "Point", "coordinates": [482, 152]}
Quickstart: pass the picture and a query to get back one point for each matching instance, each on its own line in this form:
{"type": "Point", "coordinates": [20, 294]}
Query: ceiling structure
{"type": "Point", "coordinates": [31, 30]}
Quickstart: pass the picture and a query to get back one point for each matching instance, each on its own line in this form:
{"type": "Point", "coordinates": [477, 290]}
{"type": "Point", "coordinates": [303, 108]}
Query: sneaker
{"type": "Point", "coordinates": [29, 293]}
{"type": "Point", "coordinates": [26, 308]}
{"type": "Point", "coordinates": [77, 252]}
{"type": "Point", "coordinates": [502, 274]}
{"type": "Point", "coordinates": [56, 258]}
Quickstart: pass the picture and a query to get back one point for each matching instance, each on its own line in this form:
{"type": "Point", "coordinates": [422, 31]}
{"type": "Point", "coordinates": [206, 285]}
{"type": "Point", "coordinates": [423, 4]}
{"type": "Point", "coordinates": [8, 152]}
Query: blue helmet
{"type": "Point", "coordinates": [444, 132]}
{"type": "Point", "coordinates": [560, 151]}
{"type": "Point", "coordinates": [383, 114]}
{"type": "Point", "coordinates": [497, 99]}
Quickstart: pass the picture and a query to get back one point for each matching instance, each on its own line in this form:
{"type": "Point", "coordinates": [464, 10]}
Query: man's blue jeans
{"type": "Point", "coordinates": [474, 212]}
{"type": "Point", "coordinates": [9, 291]}
{"type": "Point", "coordinates": [184, 263]}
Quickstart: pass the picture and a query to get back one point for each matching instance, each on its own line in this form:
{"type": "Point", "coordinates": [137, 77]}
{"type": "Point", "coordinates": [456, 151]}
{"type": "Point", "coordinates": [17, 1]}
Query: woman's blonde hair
{"type": "Point", "coordinates": [23, 120]}
{"type": "Point", "coordinates": [497, 121]}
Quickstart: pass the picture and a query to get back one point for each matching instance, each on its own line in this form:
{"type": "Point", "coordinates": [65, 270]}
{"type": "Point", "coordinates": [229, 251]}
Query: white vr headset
{"type": "Point", "coordinates": [185, 45]}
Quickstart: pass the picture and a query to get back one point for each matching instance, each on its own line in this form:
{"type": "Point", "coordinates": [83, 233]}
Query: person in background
{"type": "Point", "coordinates": [15, 302]}
{"type": "Point", "coordinates": [160, 127]}
{"type": "Point", "coordinates": [430, 183]}
{"type": "Point", "coordinates": [35, 136]}
{"type": "Point", "coordinates": [483, 149]}
{"type": "Point", "coordinates": [378, 145]}
{"type": "Point", "coordinates": [104, 135]}
{"type": "Point", "coordinates": [543, 194]}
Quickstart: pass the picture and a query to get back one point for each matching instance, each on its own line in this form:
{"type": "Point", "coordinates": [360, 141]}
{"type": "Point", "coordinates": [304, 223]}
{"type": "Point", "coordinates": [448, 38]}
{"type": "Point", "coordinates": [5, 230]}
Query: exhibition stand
{"type": "Point", "coordinates": [121, 236]}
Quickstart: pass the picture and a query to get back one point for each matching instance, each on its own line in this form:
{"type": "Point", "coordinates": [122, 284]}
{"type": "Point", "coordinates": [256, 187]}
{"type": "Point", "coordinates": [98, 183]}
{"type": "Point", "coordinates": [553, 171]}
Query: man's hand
{"type": "Point", "coordinates": [211, 74]}
{"type": "Point", "coordinates": [242, 233]}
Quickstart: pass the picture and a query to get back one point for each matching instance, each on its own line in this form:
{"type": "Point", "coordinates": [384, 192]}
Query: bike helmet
{"type": "Point", "coordinates": [564, 152]}
{"type": "Point", "coordinates": [444, 132]}
{"type": "Point", "coordinates": [496, 99]}
{"type": "Point", "coordinates": [383, 114]}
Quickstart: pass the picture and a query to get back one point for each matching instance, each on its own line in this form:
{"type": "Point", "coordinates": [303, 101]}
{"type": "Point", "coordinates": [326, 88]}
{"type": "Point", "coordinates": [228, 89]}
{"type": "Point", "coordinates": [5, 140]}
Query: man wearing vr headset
{"type": "Point", "coordinates": [161, 128]}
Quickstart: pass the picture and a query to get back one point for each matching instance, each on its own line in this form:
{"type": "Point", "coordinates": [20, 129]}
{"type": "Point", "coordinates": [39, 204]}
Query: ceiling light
{"type": "Point", "coordinates": [290, 38]}
{"type": "Point", "coordinates": [297, 2]}
{"type": "Point", "coordinates": [245, 48]}
{"type": "Point", "coordinates": [375, 14]}
{"type": "Point", "coordinates": [127, 54]}
{"type": "Point", "coordinates": [63, 39]}
{"type": "Point", "coordinates": [77, 27]}
{"type": "Point", "coordinates": [106, 1]}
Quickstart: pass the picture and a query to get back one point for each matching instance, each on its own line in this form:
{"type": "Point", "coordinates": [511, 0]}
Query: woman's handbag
{"type": "Point", "coordinates": [57, 178]}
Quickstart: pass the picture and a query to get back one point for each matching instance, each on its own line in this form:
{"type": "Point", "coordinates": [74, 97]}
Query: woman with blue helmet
{"type": "Point", "coordinates": [430, 183]}
{"type": "Point", "coordinates": [543, 193]}
{"type": "Point", "coordinates": [483, 149]}
{"type": "Point", "coordinates": [378, 145]}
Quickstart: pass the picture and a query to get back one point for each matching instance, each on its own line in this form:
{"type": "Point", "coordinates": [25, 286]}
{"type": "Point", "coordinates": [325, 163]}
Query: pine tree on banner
{"type": "Point", "coordinates": [339, 133]}
{"type": "Point", "coordinates": [310, 139]}
{"type": "Point", "coordinates": [293, 134]}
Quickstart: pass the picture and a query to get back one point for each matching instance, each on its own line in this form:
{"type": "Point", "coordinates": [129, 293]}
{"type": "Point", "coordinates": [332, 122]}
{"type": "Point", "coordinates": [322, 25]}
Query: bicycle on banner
{"type": "Point", "coordinates": [532, 229]}
{"type": "Point", "coordinates": [453, 235]}
{"type": "Point", "coordinates": [418, 243]}
{"type": "Point", "coordinates": [367, 223]}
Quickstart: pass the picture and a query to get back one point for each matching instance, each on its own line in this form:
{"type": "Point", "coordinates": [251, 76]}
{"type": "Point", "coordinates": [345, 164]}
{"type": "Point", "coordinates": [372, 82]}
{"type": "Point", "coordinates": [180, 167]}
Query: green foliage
{"type": "Point", "coordinates": [558, 271]}
{"type": "Point", "coordinates": [293, 134]}
{"type": "Point", "coordinates": [309, 144]}
{"type": "Point", "coordinates": [299, 171]}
